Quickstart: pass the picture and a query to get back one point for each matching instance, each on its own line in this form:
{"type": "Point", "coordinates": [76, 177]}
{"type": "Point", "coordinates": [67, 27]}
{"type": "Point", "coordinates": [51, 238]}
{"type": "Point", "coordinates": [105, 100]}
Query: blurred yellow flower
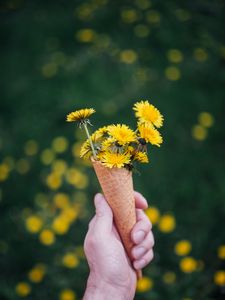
{"type": "Point", "coordinates": [86, 35]}
{"type": "Point", "coordinates": [200, 54]}
{"type": "Point", "coordinates": [199, 132]}
{"type": "Point", "coordinates": [117, 160]}
{"type": "Point", "coordinates": [153, 16]}
{"type": "Point", "coordinates": [169, 277]}
{"type": "Point", "coordinates": [59, 166]}
{"type": "Point", "coordinates": [143, 4]}
{"type": "Point", "coordinates": [172, 73]}
{"type": "Point", "coordinates": [60, 144]}
{"type": "Point", "coordinates": [37, 274]}
{"type": "Point", "coordinates": [153, 214]}
{"type": "Point", "coordinates": [47, 237]}
{"type": "Point", "coordinates": [61, 200]}
{"type": "Point", "coordinates": [141, 30]}
{"type": "Point", "coordinates": [122, 134]}
{"type": "Point", "coordinates": [150, 134]}
{"type": "Point", "coordinates": [34, 224]}
{"type": "Point", "coordinates": [31, 147]}
{"type": "Point", "coordinates": [22, 166]}
{"type": "Point", "coordinates": [128, 56]}
{"type": "Point", "coordinates": [182, 247]}
{"type": "Point", "coordinates": [174, 55]}
{"type": "Point", "coordinates": [219, 278]}
{"type": "Point", "coordinates": [49, 70]}
{"type": "Point", "coordinates": [4, 172]}
{"type": "Point", "coordinates": [188, 264]}
{"type": "Point", "coordinates": [129, 15]}
{"type": "Point", "coordinates": [70, 260]}
{"type": "Point", "coordinates": [53, 181]}
{"type": "Point", "coordinates": [144, 284]}
{"type": "Point", "coordinates": [60, 225]}
{"type": "Point", "coordinates": [70, 213]}
{"type": "Point", "coordinates": [47, 156]}
{"type": "Point", "coordinates": [148, 113]}
{"type": "Point", "coordinates": [67, 294]}
{"type": "Point", "coordinates": [221, 252]}
{"type": "Point", "coordinates": [167, 223]}
{"type": "Point", "coordinates": [23, 289]}
{"type": "Point", "coordinates": [77, 178]}
{"type": "Point", "coordinates": [206, 119]}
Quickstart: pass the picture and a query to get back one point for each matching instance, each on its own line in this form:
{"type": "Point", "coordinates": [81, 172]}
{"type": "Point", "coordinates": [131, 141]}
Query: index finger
{"type": "Point", "coordinates": [140, 201]}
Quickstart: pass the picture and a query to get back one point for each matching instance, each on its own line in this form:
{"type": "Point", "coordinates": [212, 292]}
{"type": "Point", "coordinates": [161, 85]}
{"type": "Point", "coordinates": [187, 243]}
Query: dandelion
{"type": "Point", "coordinates": [141, 157]}
{"type": "Point", "coordinates": [147, 112]}
{"type": "Point", "coordinates": [150, 134]}
{"type": "Point", "coordinates": [117, 160]}
{"type": "Point", "coordinates": [122, 134]}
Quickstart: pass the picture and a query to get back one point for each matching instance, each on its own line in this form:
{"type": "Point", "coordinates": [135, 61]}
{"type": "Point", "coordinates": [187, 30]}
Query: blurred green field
{"type": "Point", "coordinates": [58, 56]}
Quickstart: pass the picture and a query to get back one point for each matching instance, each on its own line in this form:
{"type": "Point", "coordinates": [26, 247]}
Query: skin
{"type": "Point", "coordinates": [111, 274]}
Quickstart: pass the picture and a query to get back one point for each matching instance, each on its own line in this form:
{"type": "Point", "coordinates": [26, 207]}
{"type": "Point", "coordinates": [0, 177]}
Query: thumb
{"type": "Point", "coordinates": [104, 216]}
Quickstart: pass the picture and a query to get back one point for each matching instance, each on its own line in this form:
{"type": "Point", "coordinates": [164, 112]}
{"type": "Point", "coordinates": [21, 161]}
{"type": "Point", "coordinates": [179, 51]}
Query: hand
{"type": "Point", "coordinates": [111, 274]}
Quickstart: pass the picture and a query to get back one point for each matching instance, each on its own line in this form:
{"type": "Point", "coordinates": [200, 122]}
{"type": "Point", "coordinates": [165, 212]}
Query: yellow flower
{"type": "Point", "coordinates": [99, 133]}
{"type": "Point", "coordinates": [67, 294]}
{"type": "Point", "coordinates": [117, 160]}
{"type": "Point", "coordinates": [199, 132]}
{"type": "Point", "coordinates": [80, 116]}
{"type": "Point", "coordinates": [219, 278]}
{"type": "Point", "coordinates": [144, 284]}
{"type": "Point", "coordinates": [86, 151]}
{"type": "Point", "coordinates": [34, 224]}
{"type": "Point", "coordinates": [47, 237]}
{"type": "Point", "coordinates": [141, 157]}
{"type": "Point", "coordinates": [122, 134]}
{"type": "Point", "coordinates": [167, 223]}
{"type": "Point", "coordinates": [147, 112]}
{"type": "Point", "coordinates": [37, 273]}
{"type": "Point", "coordinates": [70, 260]}
{"type": "Point", "coordinates": [182, 247]}
{"type": "Point", "coordinates": [169, 277]}
{"type": "Point", "coordinates": [60, 225]}
{"type": "Point", "coordinates": [153, 214]}
{"type": "Point", "coordinates": [150, 134]}
{"type": "Point", "coordinates": [23, 289]}
{"type": "Point", "coordinates": [4, 172]}
{"type": "Point", "coordinates": [188, 264]}
{"type": "Point", "coordinates": [108, 143]}
{"type": "Point", "coordinates": [60, 144]}
{"type": "Point", "coordinates": [221, 252]}
{"type": "Point", "coordinates": [206, 119]}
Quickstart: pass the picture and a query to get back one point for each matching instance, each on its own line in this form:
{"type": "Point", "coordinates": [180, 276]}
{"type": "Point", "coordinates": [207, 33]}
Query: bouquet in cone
{"type": "Point", "coordinates": [114, 151]}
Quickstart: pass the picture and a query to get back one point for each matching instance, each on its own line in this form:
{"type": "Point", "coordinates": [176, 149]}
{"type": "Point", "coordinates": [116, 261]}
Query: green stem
{"type": "Point", "coordinates": [88, 135]}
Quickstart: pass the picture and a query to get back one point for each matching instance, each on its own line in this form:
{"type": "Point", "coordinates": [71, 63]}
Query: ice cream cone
{"type": "Point", "coordinates": [117, 186]}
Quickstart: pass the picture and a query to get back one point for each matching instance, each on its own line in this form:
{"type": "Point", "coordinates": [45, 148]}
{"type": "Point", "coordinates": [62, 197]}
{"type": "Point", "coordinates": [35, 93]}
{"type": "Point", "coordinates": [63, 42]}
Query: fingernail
{"type": "Point", "coordinates": [139, 264]}
{"type": "Point", "coordinates": [139, 236]}
{"type": "Point", "coordinates": [98, 197]}
{"type": "Point", "coordinates": [138, 252]}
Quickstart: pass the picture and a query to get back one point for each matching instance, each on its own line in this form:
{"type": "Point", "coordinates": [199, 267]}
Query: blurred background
{"type": "Point", "coordinates": [59, 56]}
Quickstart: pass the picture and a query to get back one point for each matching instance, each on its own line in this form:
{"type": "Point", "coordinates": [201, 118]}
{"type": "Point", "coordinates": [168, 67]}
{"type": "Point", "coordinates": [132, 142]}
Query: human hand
{"type": "Point", "coordinates": [111, 274]}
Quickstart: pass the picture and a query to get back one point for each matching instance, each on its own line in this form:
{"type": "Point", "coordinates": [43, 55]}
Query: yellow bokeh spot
{"type": "Point", "coordinates": [47, 237]}
{"type": "Point", "coordinates": [60, 225]}
{"type": "Point", "coordinates": [4, 171]}
{"type": "Point", "coordinates": [169, 277]}
{"type": "Point", "coordinates": [70, 260]}
{"type": "Point", "coordinates": [76, 149]}
{"type": "Point", "coordinates": [219, 278]}
{"type": "Point", "coordinates": [143, 4]}
{"type": "Point", "coordinates": [70, 213]}
{"type": "Point", "coordinates": [59, 166]}
{"type": "Point", "coordinates": [23, 289]}
{"type": "Point", "coordinates": [41, 200]}
{"type": "Point", "coordinates": [182, 247]}
{"type": "Point", "coordinates": [31, 148]}
{"type": "Point", "coordinates": [199, 132]}
{"type": "Point", "coordinates": [86, 35]}
{"type": "Point", "coordinates": [60, 144]}
{"type": "Point", "coordinates": [144, 284]}
{"type": "Point", "coordinates": [61, 200]}
{"type": "Point", "coordinates": [200, 54]}
{"type": "Point", "coordinates": [53, 181]}
{"type": "Point", "coordinates": [172, 73]}
{"type": "Point", "coordinates": [76, 178]}
{"type": "Point", "coordinates": [129, 15]}
{"type": "Point", "coordinates": [153, 214]}
{"type": "Point", "coordinates": [153, 16]}
{"type": "Point", "coordinates": [167, 223]}
{"type": "Point", "coordinates": [175, 56]}
{"type": "Point", "coordinates": [128, 56]}
{"type": "Point", "coordinates": [47, 156]}
{"type": "Point", "coordinates": [188, 264]}
{"type": "Point", "coordinates": [206, 119]}
{"type": "Point", "coordinates": [67, 294]}
{"type": "Point", "coordinates": [141, 31]}
{"type": "Point", "coordinates": [37, 274]}
{"type": "Point", "coordinates": [49, 70]}
{"type": "Point", "coordinates": [22, 166]}
{"type": "Point", "coordinates": [221, 252]}
{"type": "Point", "coordinates": [34, 224]}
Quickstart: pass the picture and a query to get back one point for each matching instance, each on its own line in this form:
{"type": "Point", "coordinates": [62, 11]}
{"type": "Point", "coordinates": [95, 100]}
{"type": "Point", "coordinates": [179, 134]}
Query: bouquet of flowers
{"type": "Point", "coordinates": [113, 151]}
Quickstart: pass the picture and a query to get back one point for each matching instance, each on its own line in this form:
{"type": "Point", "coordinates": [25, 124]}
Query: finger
{"type": "Point", "coordinates": [144, 261]}
{"type": "Point", "coordinates": [104, 216]}
{"type": "Point", "coordinates": [139, 251]}
{"type": "Point", "coordinates": [140, 201]}
{"type": "Point", "coordinates": [141, 215]}
{"type": "Point", "coordinates": [91, 223]}
{"type": "Point", "coordinates": [141, 229]}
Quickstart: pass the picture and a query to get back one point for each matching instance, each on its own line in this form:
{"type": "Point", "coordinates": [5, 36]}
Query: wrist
{"type": "Point", "coordinates": [98, 289]}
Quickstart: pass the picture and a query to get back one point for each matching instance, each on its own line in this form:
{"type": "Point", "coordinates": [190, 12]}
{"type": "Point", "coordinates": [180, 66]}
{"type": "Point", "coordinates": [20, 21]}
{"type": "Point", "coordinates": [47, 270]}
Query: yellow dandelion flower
{"type": "Point", "coordinates": [34, 224]}
{"type": "Point", "coordinates": [70, 260]}
{"type": "Point", "coordinates": [153, 214]}
{"type": "Point", "coordinates": [150, 134]}
{"type": "Point", "coordinates": [99, 133]}
{"type": "Point", "coordinates": [37, 273]}
{"type": "Point", "coordinates": [144, 284]}
{"type": "Point", "coordinates": [221, 252]}
{"type": "Point", "coordinates": [188, 264]}
{"type": "Point", "coordinates": [117, 160]}
{"type": "Point", "coordinates": [80, 116]}
{"type": "Point", "coordinates": [219, 278]}
{"type": "Point", "coordinates": [108, 143]}
{"type": "Point", "coordinates": [86, 150]}
{"type": "Point", "coordinates": [147, 112]}
{"type": "Point", "coordinates": [122, 134]}
{"type": "Point", "coordinates": [167, 223]}
{"type": "Point", "coordinates": [47, 237]}
{"type": "Point", "coordinates": [182, 247]}
{"type": "Point", "coordinates": [141, 157]}
{"type": "Point", "coordinates": [23, 289]}
{"type": "Point", "coordinates": [67, 294]}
